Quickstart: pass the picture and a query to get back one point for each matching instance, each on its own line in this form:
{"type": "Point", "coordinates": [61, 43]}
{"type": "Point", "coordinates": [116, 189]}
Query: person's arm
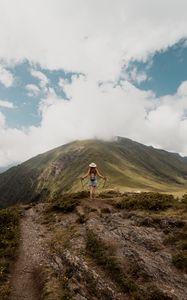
{"type": "Point", "coordinates": [86, 175]}
{"type": "Point", "coordinates": [99, 174]}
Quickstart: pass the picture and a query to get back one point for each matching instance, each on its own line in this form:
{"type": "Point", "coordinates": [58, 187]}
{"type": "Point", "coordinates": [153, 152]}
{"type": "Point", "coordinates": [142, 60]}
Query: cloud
{"type": "Point", "coordinates": [134, 75]}
{"type": "Point", "coordinates": [43, 80]}
{"type": "Point", "coordinates": [6, 104]}
{"type": "Point", "coordinates": [108, 110]}
{"type": "Point", "coordinates": [6, 77]}
{"type": "Point", "coordinates": [2, 120]}
{"type": "Point", "coordinates": [95, 38]}
{"type": "Point", "coordinates": [33, 90]}
{"type": "Point", "coordinates": [64, 81]}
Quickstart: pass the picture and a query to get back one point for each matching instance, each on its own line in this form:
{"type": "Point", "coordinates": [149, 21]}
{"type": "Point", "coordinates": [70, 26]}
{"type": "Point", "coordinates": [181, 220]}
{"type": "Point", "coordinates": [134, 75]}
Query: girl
{"type": "Point", "coordinates": [92, 174]}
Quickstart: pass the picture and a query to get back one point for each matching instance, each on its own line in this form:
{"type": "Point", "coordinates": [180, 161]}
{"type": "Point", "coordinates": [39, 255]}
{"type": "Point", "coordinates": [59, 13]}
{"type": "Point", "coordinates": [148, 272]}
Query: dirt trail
{"type": "Point", "coordinates": [30, 255]}
{"type": "Point", "coordinates": [67, 232]}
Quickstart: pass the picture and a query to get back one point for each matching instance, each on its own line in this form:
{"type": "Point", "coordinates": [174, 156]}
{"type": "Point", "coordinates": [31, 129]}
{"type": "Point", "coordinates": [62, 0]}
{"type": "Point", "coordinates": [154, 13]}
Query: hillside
{"type": "Point", "coordinates": [3, 169]}
{"type": "Point", "coordinates": [128, 166]}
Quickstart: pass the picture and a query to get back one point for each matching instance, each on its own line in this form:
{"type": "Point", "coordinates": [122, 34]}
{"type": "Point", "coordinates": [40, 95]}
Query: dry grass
{"type": "Point", "coordinates": [50, 285]}
{"type": "Point", "coordinates": [127, 280]}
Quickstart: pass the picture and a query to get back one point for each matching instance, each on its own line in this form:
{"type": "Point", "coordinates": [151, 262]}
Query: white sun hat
{"type": "Point", "coordinates": [92, 165]}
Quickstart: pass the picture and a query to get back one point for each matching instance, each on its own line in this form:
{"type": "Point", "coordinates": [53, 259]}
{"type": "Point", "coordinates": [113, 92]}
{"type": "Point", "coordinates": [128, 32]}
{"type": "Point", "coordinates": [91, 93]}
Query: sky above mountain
{"type": "Point", "coordinates": [91, 69]}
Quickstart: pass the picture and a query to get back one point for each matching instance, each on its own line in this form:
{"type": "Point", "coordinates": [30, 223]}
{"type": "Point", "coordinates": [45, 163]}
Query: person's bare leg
{"type": "Point", "coordinates": [91, 192]}
{"type": "Point", "coordinates": [94, 192]}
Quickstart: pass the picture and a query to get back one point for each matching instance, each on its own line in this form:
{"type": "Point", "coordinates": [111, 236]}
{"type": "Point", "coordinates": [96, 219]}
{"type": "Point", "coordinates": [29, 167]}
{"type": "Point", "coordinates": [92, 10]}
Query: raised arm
{"type": "Point", "coordinates": [99, 174]}
{"type": "Point", "coordinates": [86, 175]}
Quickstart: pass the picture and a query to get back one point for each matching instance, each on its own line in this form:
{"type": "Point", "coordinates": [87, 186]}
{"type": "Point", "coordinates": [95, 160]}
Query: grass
{"type": "Point", "coordinates": [177, 239]}
{"type": "Point", "coordinates": [126, 278]}
{"type": "Point", "coordinates": [61, 239]}
{"type": "Point", "coordinates": [180, 260]}
{"type": "Point", "coordinates": [9, 238]}
{"type": "Point", "coordinates": [104, 256]}
{"type": "Point", "coordinates": [127, 164]}
{"type": "Point", "coordinates": [146, 201]}
{"type": "Point", "coordinates": [184, 201]}
{"type": "Point", "coordinates": [109, 194]}
{"type": "Point", "coordinates": [50, 285]}
{"type": "Point", "coordinates": [62, 203]}
{"type": "Point", "coordinates": [66, 202]}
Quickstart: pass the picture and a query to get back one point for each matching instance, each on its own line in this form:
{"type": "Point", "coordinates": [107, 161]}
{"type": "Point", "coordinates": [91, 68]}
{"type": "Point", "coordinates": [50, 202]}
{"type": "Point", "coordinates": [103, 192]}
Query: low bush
{"type": "Point", "coordinates": [109, 194]}
{"type": "Point", "coordinates": [9, 237]}
{"type": "Point", "coordinates": [66, 202]}
{"type": "Point", "coordinates": [156, 294]}
{"type": "Point", "coordinates": [146, 201]}
{"type": "Point", "coordinates": [64, 205]}
{"type": "Point", "coordinates": [184, 201]}
{"type": "Point", "coordinates": [180, 260]}
{"type": "Point", "coordinates": [177, 239]}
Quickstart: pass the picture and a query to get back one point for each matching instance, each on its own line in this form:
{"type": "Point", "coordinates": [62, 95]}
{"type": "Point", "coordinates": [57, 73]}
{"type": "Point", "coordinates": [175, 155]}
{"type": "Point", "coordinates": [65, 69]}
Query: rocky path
{"type": "Point", "coordinates": [133, 243]}
{"type": "Point", "coordinates": [30, 255]}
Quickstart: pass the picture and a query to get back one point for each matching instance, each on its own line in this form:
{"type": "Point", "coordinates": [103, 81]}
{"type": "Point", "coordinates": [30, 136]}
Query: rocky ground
{"type": "Point", "coordinates": [96, 251]}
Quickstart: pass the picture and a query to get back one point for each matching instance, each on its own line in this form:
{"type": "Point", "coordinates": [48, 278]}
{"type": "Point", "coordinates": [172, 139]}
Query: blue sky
{"type": "Point", "coordinates": [25, 112]}
{"type": "Point", "coordinates": [104, 69]}
{"type": "Point", "coordinates": [165, 71]}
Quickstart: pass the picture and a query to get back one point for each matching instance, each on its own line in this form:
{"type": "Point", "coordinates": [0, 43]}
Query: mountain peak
{"type": "Point", "coordinates": [128, 165]}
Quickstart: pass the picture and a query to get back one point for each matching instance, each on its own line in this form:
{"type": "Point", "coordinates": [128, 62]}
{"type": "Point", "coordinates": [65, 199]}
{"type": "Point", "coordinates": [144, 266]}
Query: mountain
{"type": "Point", "coordinates": [128, 165]}
{"type": "Point", "coordinates": [3, 169]}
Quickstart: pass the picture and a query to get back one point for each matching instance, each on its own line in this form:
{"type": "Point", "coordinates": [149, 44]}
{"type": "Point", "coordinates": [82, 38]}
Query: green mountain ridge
{"type": "Point", "coordinates": [128, 165]}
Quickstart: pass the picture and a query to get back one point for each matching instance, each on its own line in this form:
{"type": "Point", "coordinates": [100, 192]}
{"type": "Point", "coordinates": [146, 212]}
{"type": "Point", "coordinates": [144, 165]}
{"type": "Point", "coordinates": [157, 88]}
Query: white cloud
{"type": "Point", "coordinates": [2, 120]}
{"type": "Point", "coordinates": [134, 75]}
{"type": "Point", "coordinates": [108, 110]}
{"type": "Point", "coordinates": [6, 77]}
{"type": "Point", "coordinates": [63, 82]}
{"type": "Point", "coordinates": [6, 104]}
{"type": "Point", "coordinates": [92, 37]}
{"type": "Point", "coordinates": [33, 90]}
{"type": "Point", "coordinates": [43, 80]}
{"type": "Point", "coordinates": [95, 38]}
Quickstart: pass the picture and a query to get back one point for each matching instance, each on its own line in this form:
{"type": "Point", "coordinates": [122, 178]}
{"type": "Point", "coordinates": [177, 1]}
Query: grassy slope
{"type": "Point", "coordinates": [127, 164]}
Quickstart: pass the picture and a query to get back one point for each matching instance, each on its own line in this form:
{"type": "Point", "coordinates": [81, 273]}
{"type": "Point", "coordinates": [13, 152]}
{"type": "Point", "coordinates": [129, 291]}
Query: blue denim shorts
{"type": "Point", "coordinates": [93, 183]}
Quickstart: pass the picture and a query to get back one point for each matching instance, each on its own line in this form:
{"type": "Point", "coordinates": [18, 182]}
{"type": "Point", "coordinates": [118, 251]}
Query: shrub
{"type": "Point", "coordinates": [66, 202]}
{"type": "Point", "coordinates": [110, 194]}
{"type": "Point", "coordinates": [4, 291]}
{"type": "Point", "coordinates": [180, 260]}
{"type": "Point", "coordinates": [64, 205]}
{"type": "Point", "coordinates": [146, 201]}
{"type": "Point", "coordinates": [156, 294]}
{"type": "Point", "coordinates": [184, 201]}
{"type": "Point", "coordinates": [9, 236]}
